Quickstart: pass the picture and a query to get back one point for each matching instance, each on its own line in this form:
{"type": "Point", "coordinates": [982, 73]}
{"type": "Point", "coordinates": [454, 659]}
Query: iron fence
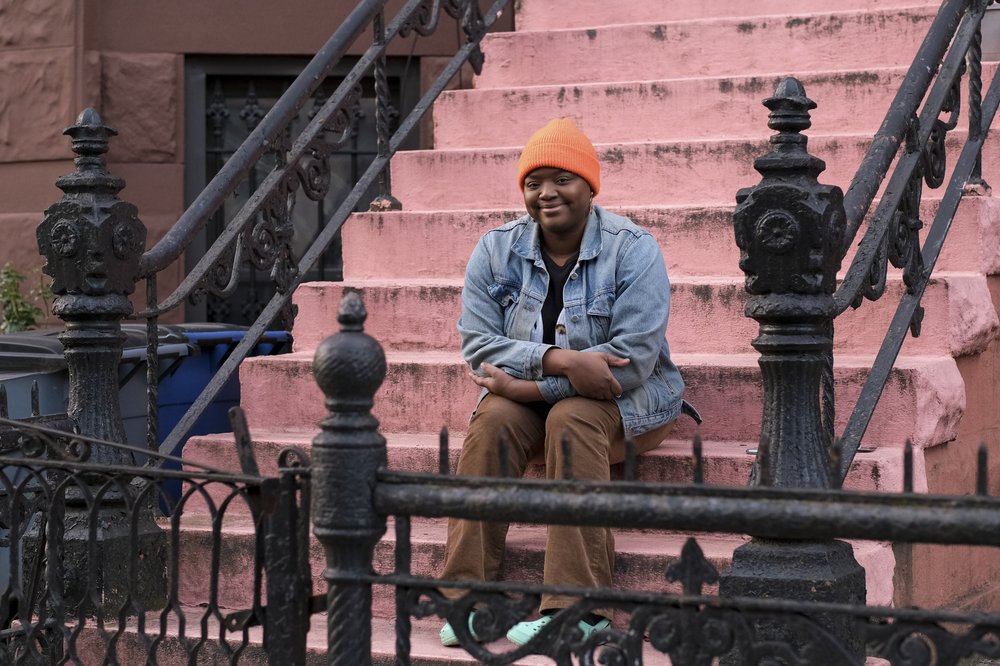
{"type": "Point", "coordinates": [131, 595]}
{"type": "Point", "coordinates": [95, 574]}
{"type": "Point", "coordinates": [93, 567]}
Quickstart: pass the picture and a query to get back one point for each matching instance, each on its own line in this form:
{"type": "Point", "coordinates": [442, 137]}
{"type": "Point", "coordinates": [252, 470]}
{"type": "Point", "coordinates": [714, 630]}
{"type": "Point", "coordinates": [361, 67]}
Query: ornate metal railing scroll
{"type": "Point", "coordinates": [261, 231]}
{"type": "Point", "coordinates": [680, 615]}
{"type": "Point", "coordinates": [952, 48]}
{"type": "Point", "coordinates": [93, 241]}
{"type": "Point", "coordinates": [85, 585]}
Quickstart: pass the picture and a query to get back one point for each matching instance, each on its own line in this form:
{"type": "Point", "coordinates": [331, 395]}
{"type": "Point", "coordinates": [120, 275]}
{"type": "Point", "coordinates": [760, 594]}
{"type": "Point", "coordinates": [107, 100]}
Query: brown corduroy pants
{"type": "Point", "coordinates": [574, 556]}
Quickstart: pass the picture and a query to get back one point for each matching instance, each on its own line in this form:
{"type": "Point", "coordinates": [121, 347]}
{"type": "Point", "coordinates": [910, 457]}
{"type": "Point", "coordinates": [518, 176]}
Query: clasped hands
{"type": "Point", "coordinates": [588, 371]}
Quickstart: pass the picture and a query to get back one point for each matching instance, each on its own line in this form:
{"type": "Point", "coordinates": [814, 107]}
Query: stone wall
{"type": "Point", "coordinates": [126, 59]}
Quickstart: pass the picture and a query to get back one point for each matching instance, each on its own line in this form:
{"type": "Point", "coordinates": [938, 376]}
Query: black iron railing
{"type": "Point", "coordinates": [260, 231]}
{"type": "Point", "coordinates": [914, 136]}
{"type": "Point", "coordinates": [355, 496]}
{"type": "Point", "coordinates": [794, 233]}
{"type": "Point", "coordinates": [95, 266]}
{"type": "Point", "coordinates": [93, 574]}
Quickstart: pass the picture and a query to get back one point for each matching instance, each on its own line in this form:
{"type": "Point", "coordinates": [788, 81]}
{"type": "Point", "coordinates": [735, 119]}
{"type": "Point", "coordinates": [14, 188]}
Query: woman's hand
{"type": "Point", "coordinates": [498, 382]}
{"type": "Point", "coordinates": [588, 372]}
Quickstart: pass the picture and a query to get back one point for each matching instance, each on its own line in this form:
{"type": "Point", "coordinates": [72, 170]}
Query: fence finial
{"type": "Point", "coordinates": [349, 367]}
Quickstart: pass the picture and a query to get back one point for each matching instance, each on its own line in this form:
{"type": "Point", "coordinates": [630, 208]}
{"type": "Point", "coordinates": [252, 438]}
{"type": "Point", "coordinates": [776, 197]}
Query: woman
{"type": "Point", "coordinates": [564, 313]}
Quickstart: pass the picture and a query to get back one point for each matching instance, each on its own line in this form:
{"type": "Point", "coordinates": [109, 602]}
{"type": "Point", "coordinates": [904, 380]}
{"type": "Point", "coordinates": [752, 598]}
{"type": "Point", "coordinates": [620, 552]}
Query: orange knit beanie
{"type": "Point", "coordinates": [562, 145]}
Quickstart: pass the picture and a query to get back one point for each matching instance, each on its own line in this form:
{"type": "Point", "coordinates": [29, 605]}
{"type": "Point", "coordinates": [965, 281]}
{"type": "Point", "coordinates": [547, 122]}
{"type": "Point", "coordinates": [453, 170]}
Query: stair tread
{"type": "Point", "coordinates": [522, 535]}
{"type": "Point", "coordinates": [706, 45]}
{"type": "Point", "coordinates": [736, 360]}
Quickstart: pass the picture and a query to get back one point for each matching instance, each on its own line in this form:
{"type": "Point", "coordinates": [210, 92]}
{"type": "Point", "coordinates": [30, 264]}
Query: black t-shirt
{"type": "Point", "coordinates": [553, 304]}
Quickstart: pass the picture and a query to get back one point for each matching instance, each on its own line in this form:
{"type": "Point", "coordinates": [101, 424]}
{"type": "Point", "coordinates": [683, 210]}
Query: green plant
{"type": "Point", "coordinates": [17, 311]}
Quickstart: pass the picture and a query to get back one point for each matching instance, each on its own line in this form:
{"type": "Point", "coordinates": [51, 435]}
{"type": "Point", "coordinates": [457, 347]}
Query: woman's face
{"type": "Point", "coordinates": [558, 200]}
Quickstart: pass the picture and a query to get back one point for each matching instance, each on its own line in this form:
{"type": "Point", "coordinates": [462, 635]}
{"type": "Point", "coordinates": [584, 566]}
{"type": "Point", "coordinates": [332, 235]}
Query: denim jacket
{"type": "Point", "coordinates": [616, 300]}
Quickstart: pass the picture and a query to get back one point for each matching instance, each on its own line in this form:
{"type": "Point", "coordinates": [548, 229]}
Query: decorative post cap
{"type": "Point", "coordinates": [789, 107]}
{"type": "Point", "coordinates": [349, 366]}
{"type": "Point", "coordinates": [90, 135]}
{"type": "Point", "coordinates": [91, 240]}
{"type": "Point", "coordinates": [788, 227]}
{"type": "Point", "coordinates": [789, 116]}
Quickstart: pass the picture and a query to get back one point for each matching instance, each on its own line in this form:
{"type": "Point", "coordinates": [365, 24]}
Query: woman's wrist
{"type": "Point", "coordinates": [557, 361]}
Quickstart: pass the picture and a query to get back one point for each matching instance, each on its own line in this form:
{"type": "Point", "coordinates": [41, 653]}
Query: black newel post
{"type": "Point", "coordinates": [92, 242]}
{"type": "Point", "coordinates": [789, 228]}
{"type": "Point", "coordinates": [349, 368]}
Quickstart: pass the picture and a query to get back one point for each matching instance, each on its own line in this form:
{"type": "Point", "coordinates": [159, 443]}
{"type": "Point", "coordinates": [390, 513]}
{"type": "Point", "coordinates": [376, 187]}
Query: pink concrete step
{"type": "Point", "coordinates": [723, 463]}
{"type": "Point", "coordinates": [924, 399]}
{"type": "Point", "coordinates": [706, 315]}
{"type": "Point", "coordinates": [696, 240]}
{"type": "Point", "coordinates": [641, 557]}
{"type": "Point", "coordinates": [544, 15]}
{"type": "Point", "coordinates": [706, 47]}
{"type": "Point", "coordinates": [640, 561]}
{"type": "Point", "coordinates": [849, 102]}
{"type": "Point", "coordinates": [632, 174]}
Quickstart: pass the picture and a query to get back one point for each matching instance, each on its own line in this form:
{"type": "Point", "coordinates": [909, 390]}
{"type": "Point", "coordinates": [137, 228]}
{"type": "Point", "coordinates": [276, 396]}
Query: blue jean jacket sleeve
{"type": "Point", "coordinates": [637, 327]}
{"type": "Point", "coordinates": [481, 324]}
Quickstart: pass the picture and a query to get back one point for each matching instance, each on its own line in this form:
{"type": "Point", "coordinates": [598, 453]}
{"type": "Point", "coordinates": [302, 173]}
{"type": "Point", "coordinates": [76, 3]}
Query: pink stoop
{"type": "Point", "coordinates": [670, 92]}
{"type": "Point", "coordinates": [696, 240]}
{"type": "Point", "coordinates": [423, 391]}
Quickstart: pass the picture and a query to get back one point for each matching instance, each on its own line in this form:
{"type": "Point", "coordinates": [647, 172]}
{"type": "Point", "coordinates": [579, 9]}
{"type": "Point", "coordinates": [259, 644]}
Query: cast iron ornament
{"type": "Point", "coordinates": [789, 226]}
{"type": "Point", "coordinates": [91, 240]}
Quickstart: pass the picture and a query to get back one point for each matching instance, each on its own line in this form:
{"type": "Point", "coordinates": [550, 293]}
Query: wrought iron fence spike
{"type": "Point", "coordinates": [692, 569]}
{"type": "Point", "coordinates": [403, 546]}
{"type": "Point", "coordinates": [630, 459]}
{"type": "Point", "coordinates": [982, 471]}
{"type": "Point", "coordinates": [3, 402]}
{"type": "Point", "coordinates": [567, 455]}
{"type": "Point", "coordinates": [763, 466]}
{"type": "Point", "coordinates": [444, 466]}
{"type": "Point", "coordinates": [908, 467]}
{"type": "Point", "coordinates": [244, 443]}
{"type": "Point", "coordinates": [836, 456]}
{"type": "Point", "coordinates": [698, 461]}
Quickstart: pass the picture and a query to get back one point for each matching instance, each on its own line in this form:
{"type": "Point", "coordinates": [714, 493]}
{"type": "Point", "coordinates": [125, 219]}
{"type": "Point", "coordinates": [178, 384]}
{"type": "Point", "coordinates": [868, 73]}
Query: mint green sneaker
{"type": "Point", "coordinates": [522, 632]}
{"type": "Point", "coordinates": [447, 634]}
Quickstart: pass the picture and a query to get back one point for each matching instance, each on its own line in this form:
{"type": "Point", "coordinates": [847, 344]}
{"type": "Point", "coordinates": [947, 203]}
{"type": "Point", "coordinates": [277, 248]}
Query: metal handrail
{"type": "Point", "coordinates": [954, 36]}
{"type": "Point", "coordinates": [310, 145]}
{"type": "Point", "coordinates": [261, 139]}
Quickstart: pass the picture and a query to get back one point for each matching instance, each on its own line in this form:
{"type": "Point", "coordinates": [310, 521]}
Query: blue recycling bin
{"type": "Point", "coordinates": [210, 345]}
{"type": "Point", "coordinates": [183, 379]}
{"type": "Point", "coordinates": [189, 356]}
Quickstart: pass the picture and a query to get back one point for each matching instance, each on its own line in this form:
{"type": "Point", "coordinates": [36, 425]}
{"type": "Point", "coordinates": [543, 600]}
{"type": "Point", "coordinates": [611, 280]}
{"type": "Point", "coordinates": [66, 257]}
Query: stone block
{"type": "Point", "coordinates": [19, 246]}
{"type": "Point", "coordinates": [141, 98]}
{"type": "Point", "coordinates": [156, 188]}
{"type": "Point", "coordinates": [37, 105]}
{"type": "Point", "coordinates": [39, 23]}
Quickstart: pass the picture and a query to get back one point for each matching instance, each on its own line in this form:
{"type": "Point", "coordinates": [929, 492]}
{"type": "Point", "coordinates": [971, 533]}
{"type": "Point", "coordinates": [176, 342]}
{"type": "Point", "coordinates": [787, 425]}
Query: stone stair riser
{"type": "Point", "coordinates": [673, 109]}
{"type": "Point", "coordinates": [923, 401]}
{"type": "Point", "coordinates": [706, 317]}
{"type": "Point", "coordinates": [641, 559]}
{"type": "Point", "coordinates": [537, 16]}
{"type": "Point", "coordinates": [632, 174]}
{"type": "Point", "coordinates": [725, 464]}
{"type": "Point", "coordinates": [695, 240]}
{"type": "Point", "coordinates": [749, 45]}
